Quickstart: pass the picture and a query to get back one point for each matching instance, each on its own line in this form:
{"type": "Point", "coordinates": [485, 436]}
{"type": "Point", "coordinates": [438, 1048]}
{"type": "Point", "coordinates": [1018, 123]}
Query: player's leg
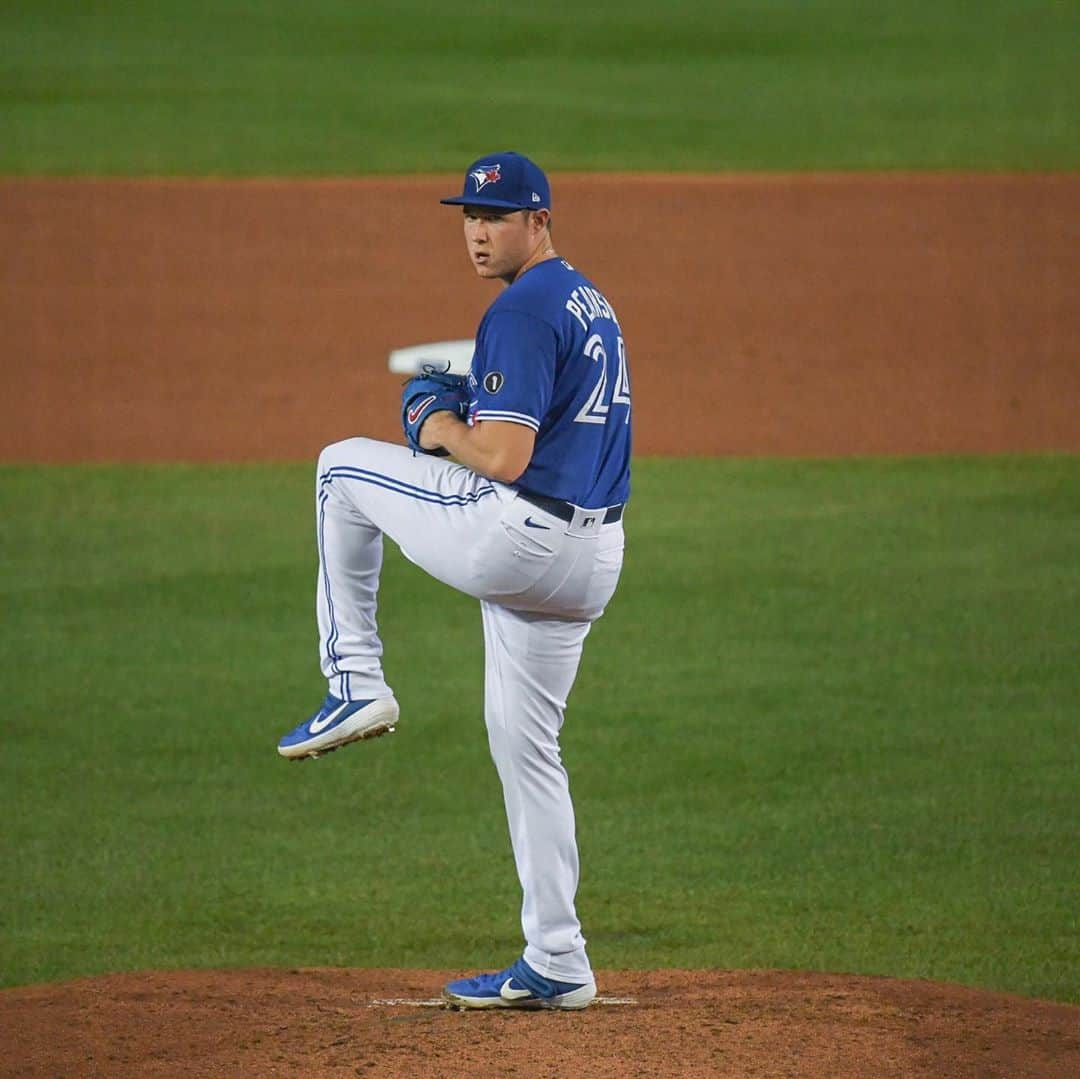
{"type": "Point", "coordinates": [532, 658]}
{"type": "Point", "coordinates": [531, 663]}
{"type": "Point", "coordinates": [435, 511]}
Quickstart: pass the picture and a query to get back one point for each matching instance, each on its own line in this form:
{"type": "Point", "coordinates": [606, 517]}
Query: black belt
{"type": "Point", "coordinates": [565, 510]}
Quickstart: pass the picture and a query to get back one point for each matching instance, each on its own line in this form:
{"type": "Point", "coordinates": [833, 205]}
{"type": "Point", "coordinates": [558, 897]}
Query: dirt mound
{"type": "Point", "coordinates": [645, 1023]}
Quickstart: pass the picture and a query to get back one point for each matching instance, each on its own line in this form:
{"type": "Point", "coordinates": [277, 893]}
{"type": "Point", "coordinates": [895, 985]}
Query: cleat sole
{"type": "Point", "coordinates": [472, 1004]}
{"type": "Point", "coordinates": [361, 736]}
{"type": "Point", "coordinates": [381, 718]}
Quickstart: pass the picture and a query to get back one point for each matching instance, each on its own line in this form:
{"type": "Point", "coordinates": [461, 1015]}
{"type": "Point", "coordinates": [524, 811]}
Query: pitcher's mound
{"type": "Point", "coordinates": [646, 1023]}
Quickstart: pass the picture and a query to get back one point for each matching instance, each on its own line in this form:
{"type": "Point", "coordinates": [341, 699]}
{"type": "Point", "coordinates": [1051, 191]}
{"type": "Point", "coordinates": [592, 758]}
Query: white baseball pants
{"type": "Point", "coordinates": [541, 582]}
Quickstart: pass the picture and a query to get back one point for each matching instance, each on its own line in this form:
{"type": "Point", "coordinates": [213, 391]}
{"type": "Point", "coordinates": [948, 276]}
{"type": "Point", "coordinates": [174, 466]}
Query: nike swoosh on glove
{"type": "Point", "coordinates": [429, 392]}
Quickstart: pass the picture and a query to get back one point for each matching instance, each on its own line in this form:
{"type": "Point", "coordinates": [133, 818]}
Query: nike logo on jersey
{"type": "Point", "coordinates": [418, 410]}
{"type": "Point", "coordinates": [320, 723]}
{"type": "Point", "coordinates": [530, 523]}
{"type": "Point", "coordinates": [513, 994]}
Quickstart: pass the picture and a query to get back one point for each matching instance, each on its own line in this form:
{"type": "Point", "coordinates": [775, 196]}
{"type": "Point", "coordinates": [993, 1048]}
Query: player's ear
{"type": "Point", "coordinates": [541, 218]}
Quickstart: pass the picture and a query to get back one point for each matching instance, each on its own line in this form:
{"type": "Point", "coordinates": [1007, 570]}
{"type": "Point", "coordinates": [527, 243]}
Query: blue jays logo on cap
{"type": "Point", "coordinates": [487, 174]}
{"type": "Point", "coordinates": [505, 181]}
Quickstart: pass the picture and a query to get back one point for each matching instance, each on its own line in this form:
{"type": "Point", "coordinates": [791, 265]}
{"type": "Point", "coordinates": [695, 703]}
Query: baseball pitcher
{"type": "Point", "coordinates": [511, 489]}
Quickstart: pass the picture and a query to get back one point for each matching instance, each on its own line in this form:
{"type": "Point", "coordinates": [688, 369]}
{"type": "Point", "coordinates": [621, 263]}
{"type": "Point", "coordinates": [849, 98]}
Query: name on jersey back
{"type": "Point", "coordinates": [586, 304]}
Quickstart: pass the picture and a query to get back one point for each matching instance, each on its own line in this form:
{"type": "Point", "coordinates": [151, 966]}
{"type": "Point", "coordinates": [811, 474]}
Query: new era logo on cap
{"type": "Point", "coordinates": [507, 181]}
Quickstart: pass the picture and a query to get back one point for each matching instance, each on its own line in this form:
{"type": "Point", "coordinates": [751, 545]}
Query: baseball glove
{"type": "Point", "coordinates": [429, 392]}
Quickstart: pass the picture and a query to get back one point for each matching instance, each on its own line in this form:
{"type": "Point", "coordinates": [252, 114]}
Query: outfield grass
{"type": "Point", "coordinates": [337, 87]}
{"type": "Point", "coordinates": [829, 722]}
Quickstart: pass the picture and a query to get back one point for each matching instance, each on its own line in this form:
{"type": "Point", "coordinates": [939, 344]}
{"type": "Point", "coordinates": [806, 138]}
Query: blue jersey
{"type": "Point", "coordinates": [550, 355]}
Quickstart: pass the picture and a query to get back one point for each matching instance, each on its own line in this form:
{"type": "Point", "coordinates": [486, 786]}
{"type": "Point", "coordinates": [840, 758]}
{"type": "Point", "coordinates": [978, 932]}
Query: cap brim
{"type": "Point", "coordinates": [479, 200]}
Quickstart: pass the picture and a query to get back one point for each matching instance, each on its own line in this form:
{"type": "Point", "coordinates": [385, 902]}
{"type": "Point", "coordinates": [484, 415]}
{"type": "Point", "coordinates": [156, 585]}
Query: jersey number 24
{"type": "Point", "coordinates": [598, 406]}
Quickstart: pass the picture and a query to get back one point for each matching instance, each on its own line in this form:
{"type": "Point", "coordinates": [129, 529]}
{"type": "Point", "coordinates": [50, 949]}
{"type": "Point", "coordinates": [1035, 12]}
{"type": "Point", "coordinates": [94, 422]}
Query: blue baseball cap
{"type": "Point", "coordinates": [506, 181]}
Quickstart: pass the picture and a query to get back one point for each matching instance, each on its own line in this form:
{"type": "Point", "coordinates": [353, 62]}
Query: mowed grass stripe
{"type": "Point", "coordinates": [337, 88]}
{"type": "Point", "coordinates": [829, 722]}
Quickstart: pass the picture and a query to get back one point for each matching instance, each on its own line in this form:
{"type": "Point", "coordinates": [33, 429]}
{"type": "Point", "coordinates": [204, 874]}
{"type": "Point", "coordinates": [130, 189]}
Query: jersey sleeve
{"type": "Point", "coordinates": [514, 369]}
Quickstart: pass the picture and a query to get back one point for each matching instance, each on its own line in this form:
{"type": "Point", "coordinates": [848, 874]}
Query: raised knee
{"type": "Point", "coordinates": [350, 451]}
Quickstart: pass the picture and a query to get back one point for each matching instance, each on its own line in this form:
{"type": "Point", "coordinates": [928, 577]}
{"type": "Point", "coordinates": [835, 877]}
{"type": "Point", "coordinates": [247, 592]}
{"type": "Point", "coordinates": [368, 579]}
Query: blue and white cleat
{"type": "Point", "coordinates": [336, 724]}
{"type": "Point", "coordinates": [518, 986]}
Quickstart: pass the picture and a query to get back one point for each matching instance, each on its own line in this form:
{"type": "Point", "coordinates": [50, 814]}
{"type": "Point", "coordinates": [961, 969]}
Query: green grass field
{"type": "Point", "coordinates": [829, 722]}
{"type": "Point", "coordinates": [337, 87]}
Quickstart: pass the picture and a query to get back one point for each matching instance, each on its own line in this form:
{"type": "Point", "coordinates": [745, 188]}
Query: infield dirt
{"type": "Point", "coordinates": [813, 315]}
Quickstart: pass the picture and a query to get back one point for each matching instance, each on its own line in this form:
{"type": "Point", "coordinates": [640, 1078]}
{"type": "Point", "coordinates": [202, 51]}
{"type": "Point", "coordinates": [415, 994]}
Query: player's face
{"type": "Point", "coordinates": [500, 242]}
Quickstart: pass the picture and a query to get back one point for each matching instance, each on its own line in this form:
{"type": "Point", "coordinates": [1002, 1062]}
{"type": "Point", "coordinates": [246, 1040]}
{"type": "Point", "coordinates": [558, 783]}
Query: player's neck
{"type": "Point", "coordinates": [544, 253]}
